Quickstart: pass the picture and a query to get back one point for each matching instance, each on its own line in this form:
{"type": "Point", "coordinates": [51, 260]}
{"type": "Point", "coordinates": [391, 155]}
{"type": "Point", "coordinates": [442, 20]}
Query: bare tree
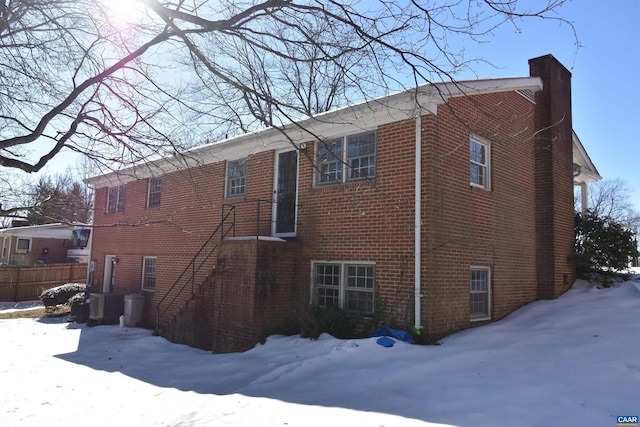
{"type": "Point", "coordinates": [185, 72]}
{"type": "Point", "coordinates": [611, 200]}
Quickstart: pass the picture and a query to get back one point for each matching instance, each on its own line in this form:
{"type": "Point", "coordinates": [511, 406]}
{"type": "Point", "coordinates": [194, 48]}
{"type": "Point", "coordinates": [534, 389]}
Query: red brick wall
{"type": "Point", "coordinates": [57, 252]}
{"type": "Point", "coordinates": [554, 177]}
{"type": "Point", "coordinates": [256, 292]}
{"type": "Point", "coordinates": [369, 221]}
{"type": "Point", "coordinates": [467, 226]}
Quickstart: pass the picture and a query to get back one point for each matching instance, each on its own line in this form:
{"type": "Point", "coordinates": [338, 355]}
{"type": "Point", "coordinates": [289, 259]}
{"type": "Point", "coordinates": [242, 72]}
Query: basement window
{"type": "Point", "coordinates": [347, 285]}
{"type": "Point", "coordinates": [480, 298]}
{"type": "Point", "coordinates": [149, 273]}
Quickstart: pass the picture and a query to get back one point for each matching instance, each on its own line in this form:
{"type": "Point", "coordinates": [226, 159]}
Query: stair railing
{"type": "Point", "coordinates": [188, 275]}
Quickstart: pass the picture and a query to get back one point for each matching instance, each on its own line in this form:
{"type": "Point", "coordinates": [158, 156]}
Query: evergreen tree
{"type": "Point", "coordinates": [60, 200]}
{"type": "Point", "coordinates": [603, 243]}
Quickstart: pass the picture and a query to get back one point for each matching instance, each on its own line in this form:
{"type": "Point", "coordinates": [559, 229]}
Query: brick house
{"type": "Point", "coordinates": [57, 243]}
{"type": "Point", "coordinates": [438, 208]}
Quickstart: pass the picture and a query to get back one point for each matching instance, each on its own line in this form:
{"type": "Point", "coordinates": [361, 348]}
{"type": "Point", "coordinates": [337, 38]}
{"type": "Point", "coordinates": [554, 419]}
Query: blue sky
{"type": "Point", "coordinates": [605, 83]}
{"type": "Point", "coordinates": [604, 67]}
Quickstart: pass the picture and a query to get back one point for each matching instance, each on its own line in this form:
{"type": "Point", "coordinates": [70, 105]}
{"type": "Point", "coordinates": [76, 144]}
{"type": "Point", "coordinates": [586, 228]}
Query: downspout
{"type": "Point", "coordinates": [418, 224]}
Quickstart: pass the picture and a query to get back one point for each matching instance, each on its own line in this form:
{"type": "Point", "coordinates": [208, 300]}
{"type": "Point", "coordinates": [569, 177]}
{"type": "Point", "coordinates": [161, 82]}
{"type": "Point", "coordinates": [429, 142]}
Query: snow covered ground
{"type": "Point", "coordinates": [574, 361]}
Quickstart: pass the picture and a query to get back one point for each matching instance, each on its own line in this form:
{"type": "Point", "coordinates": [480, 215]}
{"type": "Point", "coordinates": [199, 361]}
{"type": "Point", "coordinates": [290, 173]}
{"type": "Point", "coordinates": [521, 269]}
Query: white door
{"type": "Point", "coordinates": [110, 262]}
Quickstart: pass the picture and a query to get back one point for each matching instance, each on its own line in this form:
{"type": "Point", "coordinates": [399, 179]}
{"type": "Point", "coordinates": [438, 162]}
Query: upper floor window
{"type": "Point", "coordinates": [479, 160]}
{"type": "Point", "coordinates": [480, 297]}
{"type": "Point", "coordinates": [350, 286]}
{"type": "Point", "coordinates": [236, 177]}
{"type": "Point", "coordinates": [346, 159]}
{"type": "Point", "coordinates": [149, 273]}
{"type": "Point", "coordinates": [155, 189]}
{"type": "Point", "coordinates": [117, 198]}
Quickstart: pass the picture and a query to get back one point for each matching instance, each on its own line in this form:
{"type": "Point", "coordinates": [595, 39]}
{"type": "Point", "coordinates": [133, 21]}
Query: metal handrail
{"type": "Point", "coordinates": [258, 203]}
{"type": "Point", "coordinates": [194, 268]}
{"type": "Point", "coordinates": [227, 225]}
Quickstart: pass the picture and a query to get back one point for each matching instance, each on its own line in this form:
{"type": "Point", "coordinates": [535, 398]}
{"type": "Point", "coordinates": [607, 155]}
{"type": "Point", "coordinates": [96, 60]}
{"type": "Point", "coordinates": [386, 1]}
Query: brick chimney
{"type": "Point", "coordinates": [554, 177]}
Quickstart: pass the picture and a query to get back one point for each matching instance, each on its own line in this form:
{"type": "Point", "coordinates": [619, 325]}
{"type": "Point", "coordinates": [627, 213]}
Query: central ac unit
{"type": "Point", "coordinates": [106, 308]}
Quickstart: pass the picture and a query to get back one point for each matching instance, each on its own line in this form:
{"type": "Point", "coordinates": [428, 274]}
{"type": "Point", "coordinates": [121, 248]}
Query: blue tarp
{"type": "Point", "coordinates": [386, 331]}
{"type": "Point", "coordinates": [385, 341]}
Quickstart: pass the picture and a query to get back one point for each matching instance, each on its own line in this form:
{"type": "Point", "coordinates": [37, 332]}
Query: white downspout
{"type": "Point", "coordinates": [418, 224]}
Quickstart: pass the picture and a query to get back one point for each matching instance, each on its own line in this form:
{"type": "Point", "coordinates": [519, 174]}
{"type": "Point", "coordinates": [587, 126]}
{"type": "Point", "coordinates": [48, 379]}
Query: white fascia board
{"type": "Point", "coordinates": [588, 172]}
{"type": "Point", "coordinates": [46, 231]}
{"type": "Point", "coordinates": [485, 86]}
{"type": "Point", "coordinates": [349, 120]}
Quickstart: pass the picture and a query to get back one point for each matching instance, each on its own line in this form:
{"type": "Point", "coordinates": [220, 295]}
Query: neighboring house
{"type": "Point", "coordinates": [44, 244]}
{"type": "Point", "coordinates": [437, 208]}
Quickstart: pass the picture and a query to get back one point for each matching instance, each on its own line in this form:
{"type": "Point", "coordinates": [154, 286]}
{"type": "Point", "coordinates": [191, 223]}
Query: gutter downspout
{"type": "Point", "coordinates": [418, 224]}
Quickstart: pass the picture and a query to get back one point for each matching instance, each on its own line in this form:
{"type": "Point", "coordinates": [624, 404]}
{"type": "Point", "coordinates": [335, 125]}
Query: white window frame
{"type": "Point", "coordinates": [146, 274]}
{"type": "Point", "coordinates": [337, 165]}
{"type": "Point", "coordinates": [121, 199]}
{"type": "Point", "coordinates": [154, 188]}
{"type": "Point", "coordinates": [23, 251]}
{"type": "Point", "coordinates": [236, 186]}
{"type": "Point", "coordinates": [343, 290]}
{"type": "Point", "coordinates": [483, 168]}
{"type": "Point", "coordinates": [5, 243]}
{"type": "Point", "coordinates": [488, 292]}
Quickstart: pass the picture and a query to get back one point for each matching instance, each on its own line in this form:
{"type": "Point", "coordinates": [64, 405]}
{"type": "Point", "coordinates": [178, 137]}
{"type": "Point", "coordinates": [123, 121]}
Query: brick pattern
{"type": "Point", "coordinates": [468, 226]}
{"type": "Point", "coordinates": [369, 221]}
{"type": "Point", "coordinates": [554, 177]}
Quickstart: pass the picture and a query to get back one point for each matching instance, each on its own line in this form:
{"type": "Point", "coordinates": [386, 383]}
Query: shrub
{"type": "Point", "coordinates": [63, 295]}
{"type": "Point", "coordinates": [79, 308]}
{"type": "Point", "coordinates": [602, 243]}
{"type": "Point", "coordinates": [316, 320]}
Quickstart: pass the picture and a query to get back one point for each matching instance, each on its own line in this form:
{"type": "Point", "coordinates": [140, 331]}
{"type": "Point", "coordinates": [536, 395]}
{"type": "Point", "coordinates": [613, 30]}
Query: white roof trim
{"type": "Point", "coordinates": [45, 231]}
{"type": "Point", "coordinates": [585, 170]}
{"type": "Point", "coordinates": [348, 120]}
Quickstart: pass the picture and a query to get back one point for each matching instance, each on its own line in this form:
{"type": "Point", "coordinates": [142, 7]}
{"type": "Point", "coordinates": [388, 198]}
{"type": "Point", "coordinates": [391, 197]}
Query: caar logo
{"type": "Point", "coordinates": [627, 420]}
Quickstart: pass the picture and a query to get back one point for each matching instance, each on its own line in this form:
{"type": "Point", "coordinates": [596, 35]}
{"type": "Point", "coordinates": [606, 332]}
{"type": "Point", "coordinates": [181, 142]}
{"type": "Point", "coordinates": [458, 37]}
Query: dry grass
{"type": "Point", "coordinates": [36, 313]}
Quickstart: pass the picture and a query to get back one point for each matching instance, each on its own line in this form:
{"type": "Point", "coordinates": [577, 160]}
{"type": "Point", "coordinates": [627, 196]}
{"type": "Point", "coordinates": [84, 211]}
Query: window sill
{"type": "Point", "coordinates": [480, 319]}
{"type": "Point", "coordinates": [479, 187]}
{"type": "Point", "coordinates": [334, 184]}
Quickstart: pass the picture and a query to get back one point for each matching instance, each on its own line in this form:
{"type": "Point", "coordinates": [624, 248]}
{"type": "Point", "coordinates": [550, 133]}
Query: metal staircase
{"type": "Point", "coordinates": [183, 289]}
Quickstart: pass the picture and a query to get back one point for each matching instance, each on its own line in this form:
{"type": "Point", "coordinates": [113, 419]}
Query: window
{"type": "Point", "coordinates": [117, 198]}
{"type": "Point", "coordinates": [155, 189]}
{"type": "Point", "coordinates": [23, 246]}
{"type": "Point", "coordinates": [346, 285]}
{"type": "Point", "coordinates": [346, 159]}
{"type": "Point", "coordinates": [479, 164]}
{"type": "Point", "coordinates": [4, 246]}
{"type": "Point", "coordinates": [80, 238]}
{"type": "Point", "coordinates": [480, 293]}
{"type": "Point", "coordinates": [149, 273]}
{"type": "Point", "coordinates": [236, 177]}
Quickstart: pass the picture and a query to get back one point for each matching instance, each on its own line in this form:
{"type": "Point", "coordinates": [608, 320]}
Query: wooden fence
{"type": "Point", "coordinates": [27, 283]}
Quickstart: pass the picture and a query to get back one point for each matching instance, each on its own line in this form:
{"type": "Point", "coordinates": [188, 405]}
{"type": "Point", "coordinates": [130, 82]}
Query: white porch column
{"type": "Point", "coordinates": [584, 193]}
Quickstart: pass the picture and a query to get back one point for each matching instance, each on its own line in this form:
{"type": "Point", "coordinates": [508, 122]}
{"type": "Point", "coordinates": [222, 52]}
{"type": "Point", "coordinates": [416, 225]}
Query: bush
{"type": "Point", "coordinates": [316, 320]}
{"type": "Point", "coordinates": [602, 243]}
{"type": "Point", "coordinates": [68, 294]}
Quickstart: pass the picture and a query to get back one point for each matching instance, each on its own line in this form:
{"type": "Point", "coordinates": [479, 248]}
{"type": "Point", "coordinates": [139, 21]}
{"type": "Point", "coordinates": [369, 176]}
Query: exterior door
{"type": "Point", "coordinates": [110, 262]}
{"type": "Point", "coordinates": [285, 194]}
